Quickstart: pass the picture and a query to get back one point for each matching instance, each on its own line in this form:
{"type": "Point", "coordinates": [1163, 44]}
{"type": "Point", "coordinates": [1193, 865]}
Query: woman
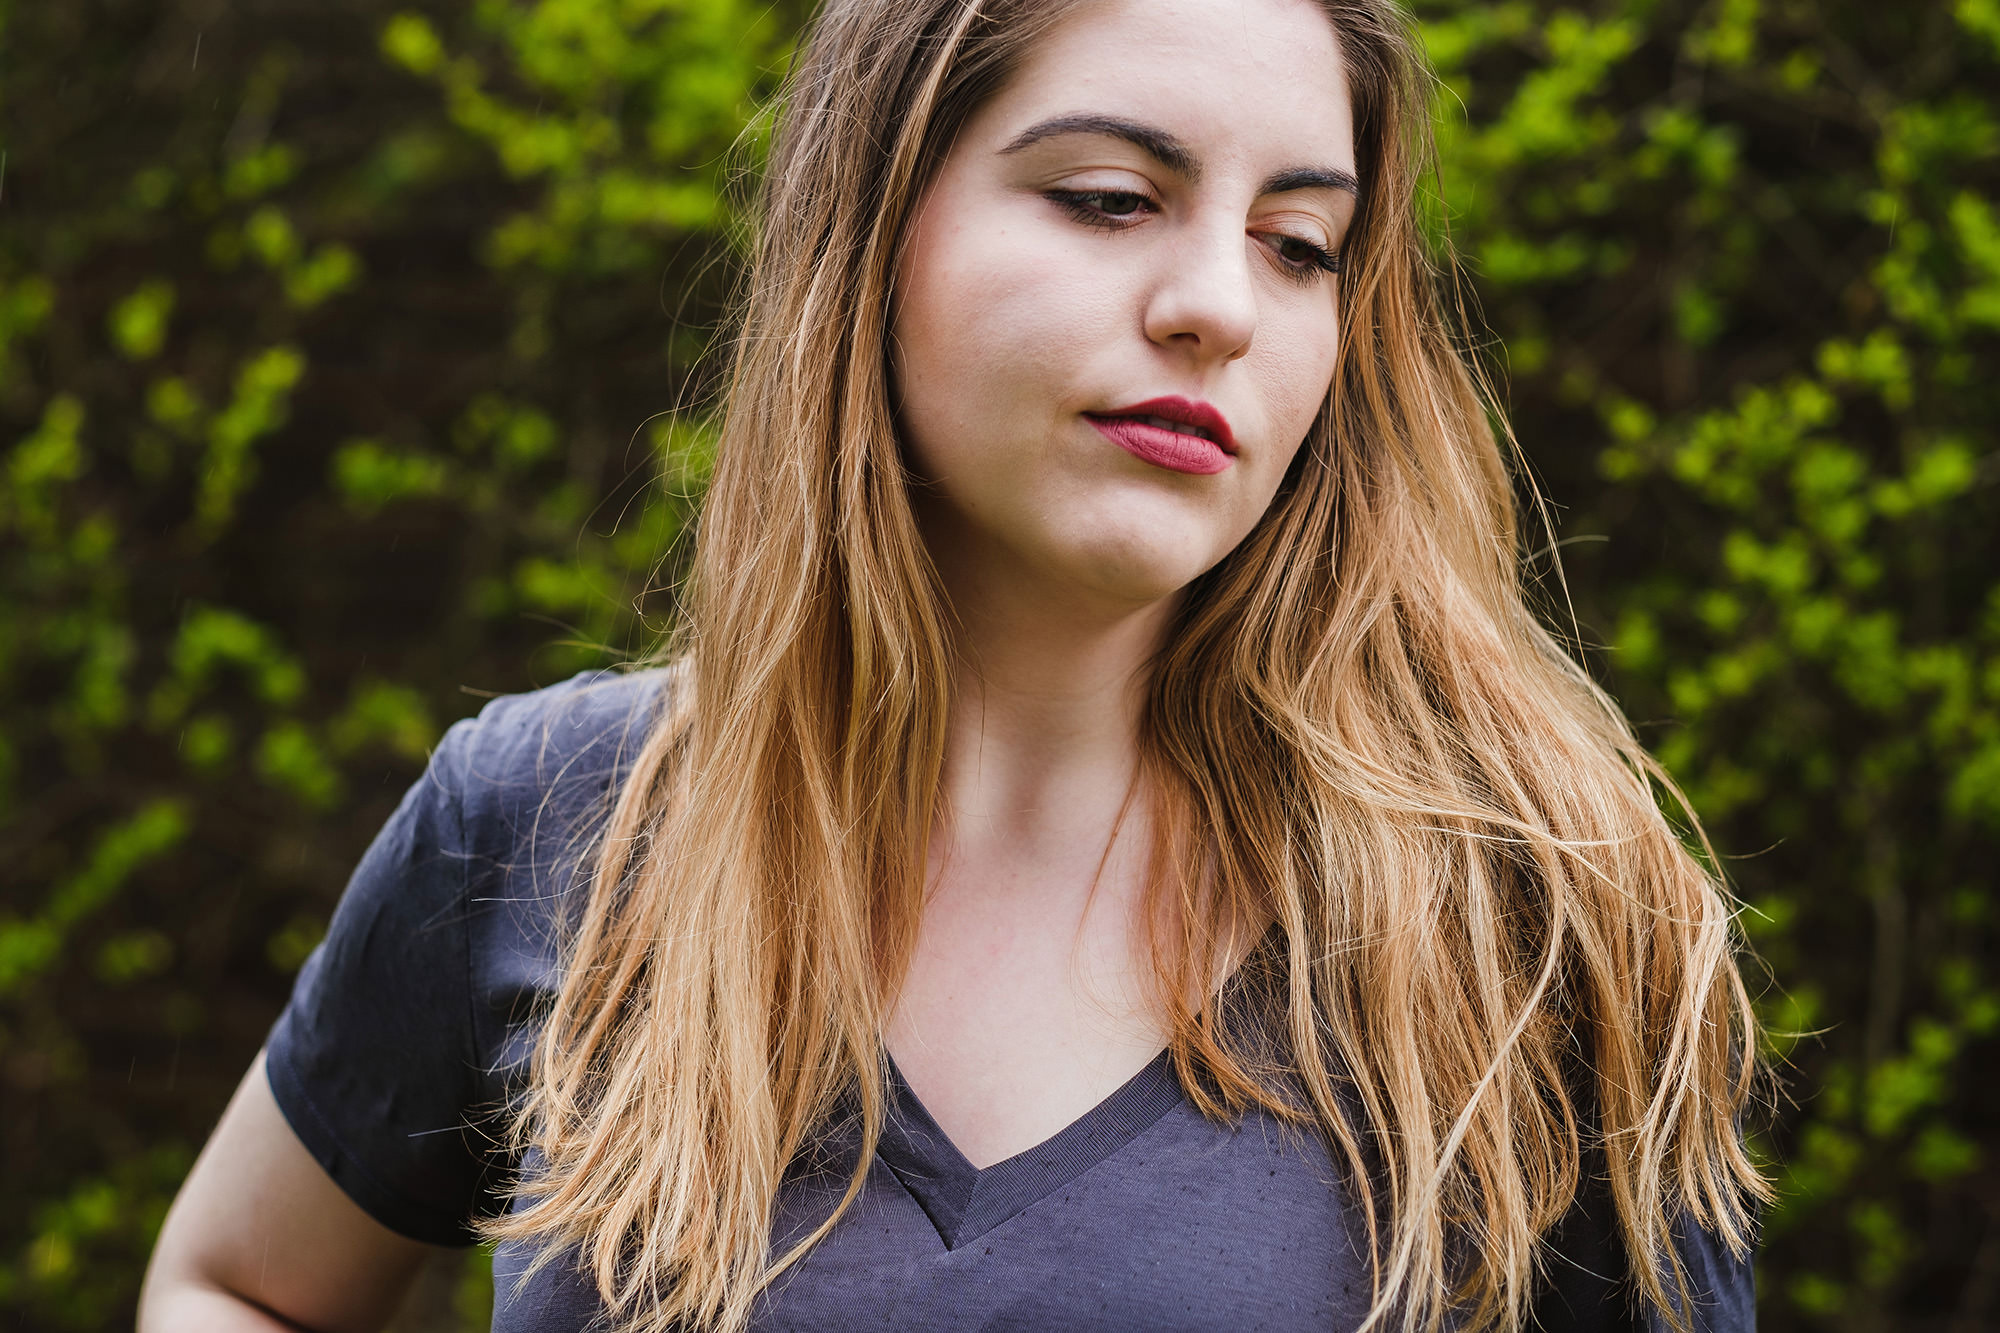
{"type": "Point", "coordinates": [1114, 849]}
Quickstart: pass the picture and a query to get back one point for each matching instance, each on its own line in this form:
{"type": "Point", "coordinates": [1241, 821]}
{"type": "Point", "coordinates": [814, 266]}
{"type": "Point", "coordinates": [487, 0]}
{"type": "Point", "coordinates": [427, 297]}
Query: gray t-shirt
{"type": "Point", "coordinates": [407, 1037]}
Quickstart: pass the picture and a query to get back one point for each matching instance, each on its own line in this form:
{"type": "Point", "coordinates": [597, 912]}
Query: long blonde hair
{"type": "Point", "coordinates": [1492, 953]}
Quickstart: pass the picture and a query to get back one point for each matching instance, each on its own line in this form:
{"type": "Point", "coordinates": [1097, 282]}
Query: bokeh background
{"type": "Point", "coordinates": [355, 358]}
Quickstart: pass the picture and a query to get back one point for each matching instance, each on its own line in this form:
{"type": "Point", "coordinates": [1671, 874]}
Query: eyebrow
{"type": "Point", "coordinates": [1174, 155]}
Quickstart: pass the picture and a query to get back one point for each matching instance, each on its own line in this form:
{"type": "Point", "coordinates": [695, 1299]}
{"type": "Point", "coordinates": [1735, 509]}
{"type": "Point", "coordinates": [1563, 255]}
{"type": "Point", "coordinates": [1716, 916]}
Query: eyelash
{"type": "Point", "coordinates": [1078, 204]}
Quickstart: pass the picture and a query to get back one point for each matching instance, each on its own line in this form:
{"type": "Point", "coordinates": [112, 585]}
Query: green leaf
{"type": "Point", "coordinates": [139, 322]}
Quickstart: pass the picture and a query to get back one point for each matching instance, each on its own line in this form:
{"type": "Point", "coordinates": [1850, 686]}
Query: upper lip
{"type": "Point", "coordinates": [1184, 411]}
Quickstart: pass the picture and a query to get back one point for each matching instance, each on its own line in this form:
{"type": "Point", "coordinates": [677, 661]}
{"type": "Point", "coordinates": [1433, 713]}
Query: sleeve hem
{"type": "Point", "coordinates": [392, 1209]}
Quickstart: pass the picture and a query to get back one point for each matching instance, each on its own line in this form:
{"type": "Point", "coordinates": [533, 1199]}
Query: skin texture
{"type": "Point", "coordinates": [1014, 318]}
{"type": "Point", "coordinates": [1064, 556]}
{"type": "Point", "coordinates": [260, 1239]}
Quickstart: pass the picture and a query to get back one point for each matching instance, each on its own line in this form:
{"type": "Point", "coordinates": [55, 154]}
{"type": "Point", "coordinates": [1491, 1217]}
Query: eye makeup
{"type": "Point", "coordinates": [1299, 260]}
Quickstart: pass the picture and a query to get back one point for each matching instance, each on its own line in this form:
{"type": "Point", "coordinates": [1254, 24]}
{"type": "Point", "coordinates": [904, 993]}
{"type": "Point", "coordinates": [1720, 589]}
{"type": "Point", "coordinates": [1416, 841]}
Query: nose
{"type": "Point", "coordinates": [1203, 303]}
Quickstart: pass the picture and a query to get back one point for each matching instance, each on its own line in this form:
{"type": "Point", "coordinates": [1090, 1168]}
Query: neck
{"type": "Point", "coordinates": [1050, 684]}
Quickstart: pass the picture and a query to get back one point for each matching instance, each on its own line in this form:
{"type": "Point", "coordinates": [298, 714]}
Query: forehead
{"type": "Point", "coordinates": [1243, 80]}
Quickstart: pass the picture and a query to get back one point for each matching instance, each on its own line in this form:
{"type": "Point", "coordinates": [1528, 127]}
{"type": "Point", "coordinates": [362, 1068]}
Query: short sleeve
{"type": "Point", "coordinates": [1722, 1285]}
{"type": "Point", "coordinates": [1585, 1285]}
{"type": "Point", "coordinates": [373, 1060]}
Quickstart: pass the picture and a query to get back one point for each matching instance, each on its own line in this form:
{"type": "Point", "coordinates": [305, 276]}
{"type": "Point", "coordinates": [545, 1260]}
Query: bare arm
{"type": "Point", "coordinates": [260, 1238]}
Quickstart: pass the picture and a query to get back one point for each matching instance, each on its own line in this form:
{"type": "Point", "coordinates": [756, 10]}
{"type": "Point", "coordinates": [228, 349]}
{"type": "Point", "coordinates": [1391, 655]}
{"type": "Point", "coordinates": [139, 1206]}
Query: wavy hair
{"type": "Point", "coordinates": [1495, 961]}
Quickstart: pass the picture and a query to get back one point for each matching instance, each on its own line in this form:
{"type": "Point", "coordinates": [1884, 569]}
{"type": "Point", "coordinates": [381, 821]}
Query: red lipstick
{"type": "Point", "coordinates": [1175, 433]}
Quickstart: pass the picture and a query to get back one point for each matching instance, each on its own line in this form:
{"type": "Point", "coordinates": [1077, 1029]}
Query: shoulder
{"type": "Point", "coordinates": [531, 765]}
{"type": "Point", "coordinates": [402, 1032]}
{"type": "Point", "coordinates": [583, 726]}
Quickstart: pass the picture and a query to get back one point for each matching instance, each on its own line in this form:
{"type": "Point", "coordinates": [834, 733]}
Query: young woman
{"type": "Point", "coordinates": [1113, 849]}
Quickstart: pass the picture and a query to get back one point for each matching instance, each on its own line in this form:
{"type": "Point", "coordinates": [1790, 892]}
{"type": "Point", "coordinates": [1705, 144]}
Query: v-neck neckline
{"type": "Point", "coordinates": [964, 1201]}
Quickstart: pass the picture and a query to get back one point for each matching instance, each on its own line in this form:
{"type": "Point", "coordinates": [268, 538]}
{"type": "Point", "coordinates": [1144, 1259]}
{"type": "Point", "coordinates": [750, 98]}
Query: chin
{"type": "Point", "coordinates": [1140, 568]}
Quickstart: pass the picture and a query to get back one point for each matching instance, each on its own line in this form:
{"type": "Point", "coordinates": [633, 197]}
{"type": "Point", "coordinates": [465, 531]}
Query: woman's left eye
{"type": "Point", "coordinates": [1302, 259]}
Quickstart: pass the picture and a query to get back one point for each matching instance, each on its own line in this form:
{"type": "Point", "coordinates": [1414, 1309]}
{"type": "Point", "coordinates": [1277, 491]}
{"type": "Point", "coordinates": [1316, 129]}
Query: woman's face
{"type": "Point", "coordinates": [1131, 241]}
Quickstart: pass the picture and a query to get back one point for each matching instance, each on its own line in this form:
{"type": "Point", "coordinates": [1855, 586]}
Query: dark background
{"type": "Point", "coordinates": [353, 363]}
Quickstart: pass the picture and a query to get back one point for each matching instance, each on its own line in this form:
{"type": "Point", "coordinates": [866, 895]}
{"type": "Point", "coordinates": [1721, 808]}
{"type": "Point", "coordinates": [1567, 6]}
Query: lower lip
{"type": "Point", "coordinates": [1164, 448]}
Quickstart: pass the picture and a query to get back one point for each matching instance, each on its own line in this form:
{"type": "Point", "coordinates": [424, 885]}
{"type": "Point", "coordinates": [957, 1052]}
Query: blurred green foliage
{"type": "Point", "coordinates": [353, 365]}
{"type": "Point", "coordinates": [1742, 258]}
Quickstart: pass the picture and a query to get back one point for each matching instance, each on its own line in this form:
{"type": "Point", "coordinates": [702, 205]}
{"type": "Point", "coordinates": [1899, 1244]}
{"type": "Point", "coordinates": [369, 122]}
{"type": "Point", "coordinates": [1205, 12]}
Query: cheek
{"type": "Point", "coordinates": [983, 324]}
{"type": "Point", "coordinates": [1295, 383]}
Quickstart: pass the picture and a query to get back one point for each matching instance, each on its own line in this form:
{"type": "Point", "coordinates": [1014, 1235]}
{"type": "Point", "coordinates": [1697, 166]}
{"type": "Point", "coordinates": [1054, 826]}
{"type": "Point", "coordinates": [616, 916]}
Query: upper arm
{"type": "Point", "coordinates": [369, 1128]}
{"type": "Point", "coordinates": [315, 1197]}
{"type": "Point", "coordinates": [258, 1221]}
